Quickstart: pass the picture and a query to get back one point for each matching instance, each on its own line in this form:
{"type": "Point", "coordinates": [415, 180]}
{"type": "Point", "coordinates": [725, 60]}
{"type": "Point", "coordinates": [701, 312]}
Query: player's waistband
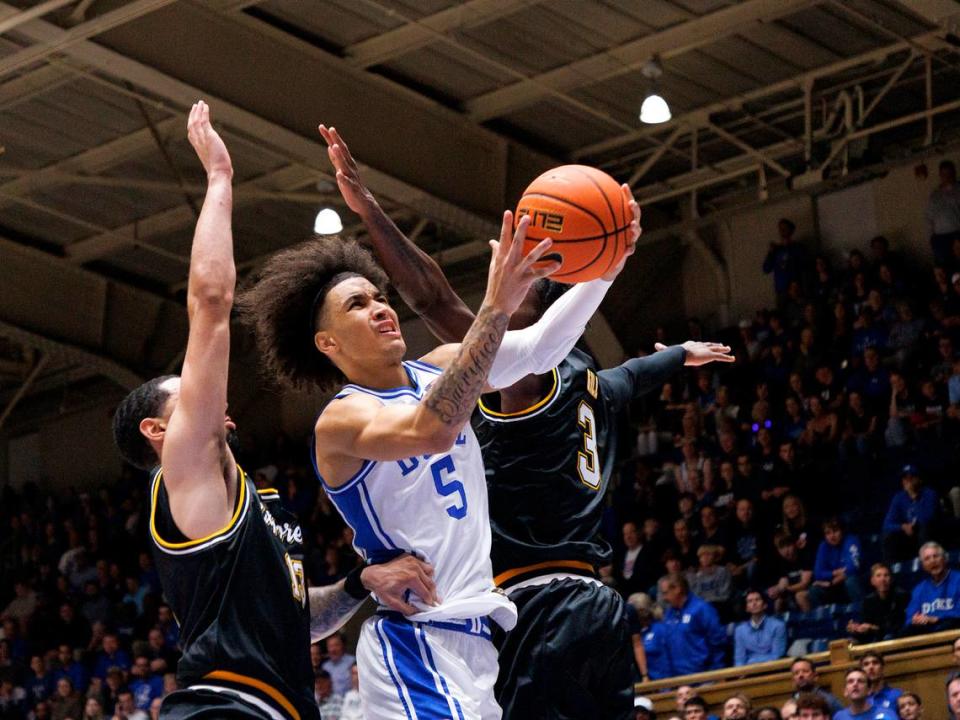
{"type": "Point", "coordinates": [251, 691]}
{"type": "Point", "coordinates": [510, 578]}
{"type": "Point", "coordinates": [479, 626]}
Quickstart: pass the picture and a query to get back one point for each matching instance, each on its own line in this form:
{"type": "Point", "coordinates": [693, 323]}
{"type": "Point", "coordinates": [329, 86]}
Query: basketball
{"type": "Point", "coordinates": [583, 211]}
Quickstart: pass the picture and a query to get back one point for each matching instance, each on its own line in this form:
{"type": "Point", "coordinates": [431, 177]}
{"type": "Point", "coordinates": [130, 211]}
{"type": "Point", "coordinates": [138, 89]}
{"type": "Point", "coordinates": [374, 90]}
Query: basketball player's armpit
{"type": "Point", "coordinates": [454, 394]}
{"type": "Point", "coordinates": [419, 280]}
{"type": "Point", "coordinates": [330, 609]}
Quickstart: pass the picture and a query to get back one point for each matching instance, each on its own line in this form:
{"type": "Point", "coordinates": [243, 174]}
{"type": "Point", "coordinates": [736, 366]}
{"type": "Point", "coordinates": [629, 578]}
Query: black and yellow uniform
{"type": "Point", "coordinates": [548, 468]}
{"type": "Point", "coordinates": [241, 601]}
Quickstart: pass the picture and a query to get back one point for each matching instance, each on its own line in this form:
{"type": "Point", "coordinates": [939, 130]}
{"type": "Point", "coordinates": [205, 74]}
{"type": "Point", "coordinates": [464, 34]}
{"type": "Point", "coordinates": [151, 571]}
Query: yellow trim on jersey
{"type": "Point", "coordinates": [532, 408]}
{"type": "Point", "coordinates": [268, 491]}
{"type": "Point", "coordinates": [269, 690]}
{"type": "Point", "coordinates": [508, 575]}
{"type": "Point", "coordinates": [241, 499]}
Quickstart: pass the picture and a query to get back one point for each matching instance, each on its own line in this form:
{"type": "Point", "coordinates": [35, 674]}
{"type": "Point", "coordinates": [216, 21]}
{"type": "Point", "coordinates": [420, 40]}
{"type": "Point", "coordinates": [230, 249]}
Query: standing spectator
{"type": "Point", "coordinates": [805, 678]}
{"type": "Point", "coordinates": [910, 706]}
{"type": "Point", "coordinates": [759, 638]}
{"type": "Point", "coordinates": [786, 259]}
{"type": "Point", "coordinates": [648, 636]}
{"type": "Point", "coordinates": [881, 694]}
{"type": "Point", "coordinates": [110, 656]}
{"type": "Point", "coordinates": [860, 707]}
{"type": "Point", "coordinates": [912, 517]}
{"type": "Point", "coordinates": [66, 702]}
{"type": "Point", "coordinates": [836, 571]}
{"type": "Point", "coordinates": [943, 214]}
{"type": "Point", "coordinates": [935, 602]}
{"type": "Point", "coordinates": [884, 609]}
{"type": "Point", "coordinates": [352, 708]}
{"type": "Point", "coordinates": [338, 663]}
{"type": "Point", "coordinates": [696, 640]}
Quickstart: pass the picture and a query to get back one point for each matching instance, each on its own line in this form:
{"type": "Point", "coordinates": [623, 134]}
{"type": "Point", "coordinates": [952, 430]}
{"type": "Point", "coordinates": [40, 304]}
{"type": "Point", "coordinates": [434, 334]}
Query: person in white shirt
{"type": "Point", "coordinates": [943, 214]}
{"type": "Point", "coordinates": [352, 708]}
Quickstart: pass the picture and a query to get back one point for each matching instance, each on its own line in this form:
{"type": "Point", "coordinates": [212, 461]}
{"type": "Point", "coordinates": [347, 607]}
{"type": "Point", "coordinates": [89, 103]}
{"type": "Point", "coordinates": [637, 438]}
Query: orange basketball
{"type": "Point", "coordinates": [583, 211]}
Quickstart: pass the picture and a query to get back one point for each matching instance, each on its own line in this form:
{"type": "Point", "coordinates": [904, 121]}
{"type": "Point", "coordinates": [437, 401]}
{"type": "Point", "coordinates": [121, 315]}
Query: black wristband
{"type": "Point", "coordinates": [353, 586]}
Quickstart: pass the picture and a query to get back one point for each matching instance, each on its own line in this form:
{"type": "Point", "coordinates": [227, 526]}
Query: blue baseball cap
{"type": "Point", "coordinates": [909, 469]}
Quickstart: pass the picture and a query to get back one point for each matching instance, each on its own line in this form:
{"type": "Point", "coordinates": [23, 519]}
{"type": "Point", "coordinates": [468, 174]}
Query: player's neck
{"type": "Point", "coordinates": [522, 394]}
{"type": "Point", "coordinates": [381, 377]}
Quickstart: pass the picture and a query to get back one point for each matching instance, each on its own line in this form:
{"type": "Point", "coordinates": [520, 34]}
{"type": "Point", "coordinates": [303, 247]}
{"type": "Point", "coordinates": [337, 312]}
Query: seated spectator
{"type": "Point", "coordinates": [629, 571]}
{"type": "Point", "coordinates": [39, 683]}
{"type": "Point", "coordinates": [797, 522]}
{"type": "Point", "coordinates": [66, 702]}
{"type": "Point", "coordinates": [911, 519]}
{"type": "Point", "coordinates": [792, 575]}
{"type": "Point", "coordinates": [935, 601]}
{"type": "Point", "coordinates": [744, 550]}
{"type": "Point", "coordinates": [93, 709]}
{"type": "Point", "coordinates": [352, 708]}
{"type": "Point", "coordinates": [884, 609]}
{"type": "Point", "coordinates": [696, 641]}
{"type": "Point", "coordinates": [953, 695]}
{"type": "Point", "coordinates": [760, 638]}
{"type": "Point", "coordinates": [70, 668]}
{"type": "Point", "coordinates": [696, 709]}
{"type": "Point", "coordinates": [24, 603]}
{"type": "Point", "coordinates": [910, 706]}
{"type": "Point", "coordinates": [881, 694]}
{"type": "Point", "coordinates": [737, 707]}
{"type": "Point", "coordinates": [13, 699]}
{"type": "Point", "coordinates": [767, 713]}
{"type": "Point", "coordinates": [855, 690]}
{"type": "Point", "coordinates": [643, 708]}
{"type": "Point", "coordinates": [711, 531]}
{"type": "Point", "coordinates": [648, 636]}
{"type": "Point", "coordinates": [144, 685]}
{"type": "Point", "coordinates": [328, 701]}
{"type": "Point", "coordinates": [71, 629]}
{"type": "Point", "coordinates": [110, 656]}
{"type": "Point", "coordinates": [836, 570]}
{"type": "Point", "coordinates": [860, 433]}
{"type": "Point", "coordinates": [805, 678]}
{"type": "Point", "coordinates": [684, 546]}
{"type": "Point", "coordinates": [127, 710]}
{"type": "Point", "coordinates": [162, 658]}
{"type": "Point", "coordinates": [808, 706]}
{"type": "Point", "coordinates": [96, 607]}
{"type": "Point", "coordinates": [711, 581]}
{"type": "Point", "coordinates": [338, 663]}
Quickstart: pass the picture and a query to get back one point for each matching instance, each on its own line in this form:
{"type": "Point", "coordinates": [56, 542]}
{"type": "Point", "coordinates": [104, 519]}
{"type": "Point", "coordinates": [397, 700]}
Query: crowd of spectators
{"type": "Point", "coordinates": [750, 492]}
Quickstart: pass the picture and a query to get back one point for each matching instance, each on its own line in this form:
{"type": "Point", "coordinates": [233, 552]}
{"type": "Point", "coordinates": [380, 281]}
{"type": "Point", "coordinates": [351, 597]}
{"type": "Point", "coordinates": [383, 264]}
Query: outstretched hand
{"type": "Point", "coordinates": [207, 142]}
{"type": "Point", "coordinates": [702, 353]}
{"type": "Point", "coordinates": [633, 234]}
{"type": "Point", "coordinates": [511, 272]}
{"type": "Point", "coordinates": [355, 193]}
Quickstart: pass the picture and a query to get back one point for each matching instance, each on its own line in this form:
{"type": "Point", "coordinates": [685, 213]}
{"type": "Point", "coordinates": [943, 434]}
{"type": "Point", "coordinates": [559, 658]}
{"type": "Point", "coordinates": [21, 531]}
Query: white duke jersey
{"type": "Point", "coordinates": [432, 506]}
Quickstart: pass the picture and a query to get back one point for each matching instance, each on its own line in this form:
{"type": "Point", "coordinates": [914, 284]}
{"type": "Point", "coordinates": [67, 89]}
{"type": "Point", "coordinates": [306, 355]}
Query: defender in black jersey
{"type": "Point", "coordinates": [549, 446]}
{"type": "Point", "coordinates": [229, 558]}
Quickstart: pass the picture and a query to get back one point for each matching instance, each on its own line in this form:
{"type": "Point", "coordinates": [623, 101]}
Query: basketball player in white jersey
{"type": "Point", "coordinates": [395, 451]}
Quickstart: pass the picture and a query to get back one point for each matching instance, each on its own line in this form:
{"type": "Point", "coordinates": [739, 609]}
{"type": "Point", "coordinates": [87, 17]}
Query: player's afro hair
{"type": "Point", "coordinates": [285, 302]}
{"type": "Point", "coordinates": [145, 401]}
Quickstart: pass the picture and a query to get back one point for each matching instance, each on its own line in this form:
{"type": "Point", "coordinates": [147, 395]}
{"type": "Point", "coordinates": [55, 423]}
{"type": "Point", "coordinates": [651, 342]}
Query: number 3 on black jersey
{"type": "Point", "coordinates": [588, 464]}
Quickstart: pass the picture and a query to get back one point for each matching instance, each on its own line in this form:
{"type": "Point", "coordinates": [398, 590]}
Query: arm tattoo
{"type": "Point", "coordinates": [457, 390]}
{"type": "Point", "coordinates": [330, 609]}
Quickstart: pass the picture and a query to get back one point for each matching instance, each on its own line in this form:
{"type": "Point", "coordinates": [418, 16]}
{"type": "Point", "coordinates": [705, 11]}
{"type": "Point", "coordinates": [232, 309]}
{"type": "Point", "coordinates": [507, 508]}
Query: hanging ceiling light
{"type": "Point", "coordinates": [327, 222]}
{"type": "Point", "coordinates": [654, 109]}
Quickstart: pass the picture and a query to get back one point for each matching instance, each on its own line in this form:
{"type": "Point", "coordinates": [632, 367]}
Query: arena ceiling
{"type": "Point", "coordinates": [452, 107]}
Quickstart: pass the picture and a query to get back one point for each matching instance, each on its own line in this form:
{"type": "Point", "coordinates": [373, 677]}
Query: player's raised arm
{"type": "Point", "coordinates": [198, 470]}
{"type": "Point", "coordinates": [419, 280]}
{"type": "Point", "coordinates": [361, 428]}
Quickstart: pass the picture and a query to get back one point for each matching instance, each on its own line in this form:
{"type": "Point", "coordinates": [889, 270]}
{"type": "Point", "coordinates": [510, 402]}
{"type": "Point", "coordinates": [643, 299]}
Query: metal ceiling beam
{"type": "Point", "coordinates": [414, 35]}
{"type": "Point", "coordinates": [675, 40]}
{"type": "Point", "coordinates": [28, 85]}
{"type": "Point", "coordinates": [733, 103]}
{"type": "Point", "coordinates": [176, 218]}
{"type": "Point", "coordinates": [267, 133]}
{"type": "Point", "coordinates": [38, 366]}
{"type": "Point", "coordinates": [67, 38]}
{"type": "Point", "coordinates": [8, 20]}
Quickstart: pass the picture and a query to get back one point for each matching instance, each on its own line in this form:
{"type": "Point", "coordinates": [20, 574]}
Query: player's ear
{"type": "Point", "coordinates": [325, 342]}
{"type": "Point", "coordinates": [153, 428]}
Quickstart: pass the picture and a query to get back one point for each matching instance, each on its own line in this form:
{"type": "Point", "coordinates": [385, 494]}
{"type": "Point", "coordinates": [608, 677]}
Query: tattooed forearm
{"type": "Point", "coordinates": [330, 609]}
{"type": "Point", "coordinates": [454, 394]}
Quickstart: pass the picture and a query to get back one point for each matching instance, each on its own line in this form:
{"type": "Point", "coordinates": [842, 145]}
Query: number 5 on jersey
{"type": "Point", "coordinates": [588, 463]}
{"type": "Point", "coordinates": [451, 486]}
